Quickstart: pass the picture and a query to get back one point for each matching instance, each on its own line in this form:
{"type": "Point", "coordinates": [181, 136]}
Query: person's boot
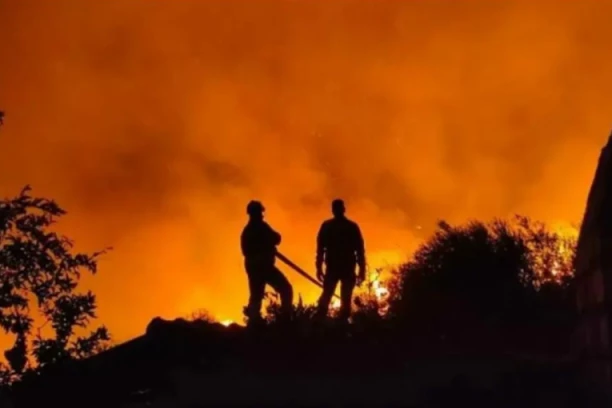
{"type": "Point", "coordinates": [322, 322]}
{"type": "Point", "coordinates": [318, 319]}
{"type": "Point", "coordinates": [343, 321]}
{"type": "Point", "coordinates": [254, 320]}
{"type": "Point", "coordinates": [285, 318]}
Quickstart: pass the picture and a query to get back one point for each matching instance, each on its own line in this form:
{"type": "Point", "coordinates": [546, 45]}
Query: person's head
{"type": "Point", "coordinates": [338, 208]}
{"type": "Point", "coordinates": [255, 210]}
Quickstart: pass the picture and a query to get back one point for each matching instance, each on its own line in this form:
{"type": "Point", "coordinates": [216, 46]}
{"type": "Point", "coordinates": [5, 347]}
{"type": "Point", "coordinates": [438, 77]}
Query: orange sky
{"type": "Point", "coordinates": [153, 123]}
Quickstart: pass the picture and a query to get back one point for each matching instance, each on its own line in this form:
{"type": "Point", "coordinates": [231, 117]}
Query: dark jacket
{"type": "Point", "coordinates": [340, 244]}
{"type": "Point", "coordinates": [258, 243]}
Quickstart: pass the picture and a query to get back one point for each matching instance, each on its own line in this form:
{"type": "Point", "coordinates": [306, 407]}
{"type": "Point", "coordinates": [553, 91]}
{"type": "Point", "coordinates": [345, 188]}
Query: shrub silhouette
{"type": "Point", "coordinates": [38, 281]}
{"type": "Point", "coordinates": [202, 315]}
{"type": "Point", "coordinates": [301, 312]}
{"type": "Point", "coordinates": [506, 275]}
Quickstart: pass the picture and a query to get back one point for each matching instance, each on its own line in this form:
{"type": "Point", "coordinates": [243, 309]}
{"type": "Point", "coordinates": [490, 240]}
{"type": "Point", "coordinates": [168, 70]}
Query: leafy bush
{"type": "Point", "coordinates": [39, 276]}
{"type": "Point", "coordinates": [502, 274]}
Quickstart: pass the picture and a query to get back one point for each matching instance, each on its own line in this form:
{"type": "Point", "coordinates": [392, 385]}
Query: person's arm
{"type": "Point", "coordinates": [244, 242]}
{"type": "Point", "coordinates": [321, 243]}
{"type": "Point", "coordinates": [275, 237]}
{"type": "Point", "coordinates": [360, 251]}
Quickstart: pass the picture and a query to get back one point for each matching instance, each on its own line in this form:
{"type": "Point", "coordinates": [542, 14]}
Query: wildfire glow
{"type": "Point", "coordinates": [226, 322]}
{"type": "Point", "coordinates": [380, 291]}
{"type": "Point", "coordinates": [154, 123]}
{"type": "Point", "coordinates": [373, 286]}
{"type": "Point", "coordinates": [555, 269]}
{"type": "Point", "coordinates": [569, 235]}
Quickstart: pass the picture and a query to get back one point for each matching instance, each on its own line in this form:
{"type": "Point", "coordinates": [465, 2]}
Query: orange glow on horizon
{"type": "Point", "coordinates": [154, 123]}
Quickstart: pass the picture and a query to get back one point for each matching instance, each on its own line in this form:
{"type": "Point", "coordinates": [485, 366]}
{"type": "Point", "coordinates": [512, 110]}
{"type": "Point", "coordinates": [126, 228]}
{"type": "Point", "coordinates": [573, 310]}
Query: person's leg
{"type": "Point", "coordinates": [281, 285]}
{"type": "Point", "coordinates": [257, 285]}
{"type": "Point", "coordinates": [347, 285]}
{"type": "Point", "coordinates": [330, 281]}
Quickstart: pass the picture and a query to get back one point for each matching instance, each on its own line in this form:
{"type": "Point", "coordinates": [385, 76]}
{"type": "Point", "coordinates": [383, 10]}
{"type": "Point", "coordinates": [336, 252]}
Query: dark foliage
{"type": "Point", "coordinates": [39, 275]}
{"type": "Point", "coordinates": [505, 277]}
{"type": "Point", "coordinates": [478, 283]}
{"type": "Point", "coordinates": [301, 313]}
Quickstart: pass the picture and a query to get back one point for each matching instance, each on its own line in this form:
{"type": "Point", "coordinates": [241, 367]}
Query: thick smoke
{"type": "Point", "coordinates": [153, 123]}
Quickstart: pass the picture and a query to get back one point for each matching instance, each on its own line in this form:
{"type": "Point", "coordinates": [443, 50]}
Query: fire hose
{"type": "Point", "coordinates": [299, 270]}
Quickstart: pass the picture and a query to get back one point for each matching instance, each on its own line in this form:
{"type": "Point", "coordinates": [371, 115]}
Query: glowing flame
{"type": "Point", "coordinates": [379, 290]}
{"type": "Point", "coordinates": [568, 234]}
{"type": "Point", "coordinates": [555, 269]}
{"type": "Point", "coordinates": [375, 287]}
{"type": "Point", "coordinates": [335, 304]}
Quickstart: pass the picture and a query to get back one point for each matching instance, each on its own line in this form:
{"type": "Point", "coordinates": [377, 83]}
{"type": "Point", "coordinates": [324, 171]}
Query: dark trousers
{"type": "Point", "coordinates": [345, 275]}
{"type": "Point", "coordinates": [260, 276]}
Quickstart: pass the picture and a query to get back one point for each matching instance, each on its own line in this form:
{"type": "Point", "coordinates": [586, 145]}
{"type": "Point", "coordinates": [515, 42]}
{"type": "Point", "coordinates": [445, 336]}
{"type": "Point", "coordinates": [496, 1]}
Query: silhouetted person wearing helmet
{"type": "Point", "coordinates": [340, 245]}
{"type": "Point", "coordinates": [258, 243]}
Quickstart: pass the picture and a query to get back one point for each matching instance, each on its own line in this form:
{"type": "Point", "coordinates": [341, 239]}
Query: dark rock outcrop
{"type": "Point", "coordinates": [593, 283]}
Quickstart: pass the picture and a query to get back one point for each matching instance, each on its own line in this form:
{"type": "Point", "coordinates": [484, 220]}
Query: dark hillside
{"type": "Point", "coordinates": [182, 363]}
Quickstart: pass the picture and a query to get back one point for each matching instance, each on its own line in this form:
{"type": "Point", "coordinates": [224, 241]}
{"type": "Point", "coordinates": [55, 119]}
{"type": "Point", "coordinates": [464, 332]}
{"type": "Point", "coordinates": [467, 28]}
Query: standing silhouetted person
{"type": "Point", "coordinates": [340, 245]}
{"type": "Point", "coordinates": [258, 243]}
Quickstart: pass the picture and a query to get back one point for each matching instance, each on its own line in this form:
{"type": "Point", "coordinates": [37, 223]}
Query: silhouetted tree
{"type": "Point", "coordinates": [202, 315]}
{"type": "Point", "coordinates": [503, 274]}
{"type": "Point", "coordinates": [39, 275]}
